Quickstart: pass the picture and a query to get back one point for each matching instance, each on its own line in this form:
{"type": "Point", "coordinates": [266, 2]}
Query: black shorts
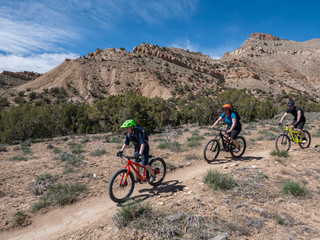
{"type": "Point", "coordinates": [299, 124]}
{"type": "Point", "coordinates": [235, 132]}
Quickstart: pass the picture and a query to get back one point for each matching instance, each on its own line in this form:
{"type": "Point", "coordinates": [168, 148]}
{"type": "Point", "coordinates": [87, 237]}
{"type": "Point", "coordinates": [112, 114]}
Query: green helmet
{"type": "Point", "coordinates": [128, 123]}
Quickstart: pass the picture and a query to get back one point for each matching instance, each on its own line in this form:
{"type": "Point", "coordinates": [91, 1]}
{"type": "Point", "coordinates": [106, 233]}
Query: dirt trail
{"type": "Point", "coordinates": [63, 221]}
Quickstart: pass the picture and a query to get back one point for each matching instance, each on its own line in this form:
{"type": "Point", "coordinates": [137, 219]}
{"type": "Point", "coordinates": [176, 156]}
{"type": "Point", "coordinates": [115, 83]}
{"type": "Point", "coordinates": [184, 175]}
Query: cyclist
{"type": "Point", "coordinates": [233, 122]}
{"type": "Point", "coordinates": [299, 118]}
{"type": "Point", "coordinates": [141, 147]}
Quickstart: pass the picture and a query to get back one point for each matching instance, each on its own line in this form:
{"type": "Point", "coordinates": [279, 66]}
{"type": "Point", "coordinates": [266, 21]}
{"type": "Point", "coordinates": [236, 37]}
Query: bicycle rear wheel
{"type": "Point", "coordinates": [211, 150]}
{"type": "Point", "coordinates": [242, 144]}
{"type": "Point", "coordinates": [282, 142]}
{"type": "Point", "coordinates": [308, 138]}
{"type": "Point", "coordinates": [121, 186]}
{"type": "Point", "coordinates": [159, 165]}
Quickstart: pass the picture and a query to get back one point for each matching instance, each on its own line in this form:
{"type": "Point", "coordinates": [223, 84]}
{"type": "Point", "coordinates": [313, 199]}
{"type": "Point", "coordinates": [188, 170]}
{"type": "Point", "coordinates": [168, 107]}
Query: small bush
{"type": "Point", "coordinates": [18, 158]}
{"type": "Point", "coordinates": [282, 153]}
{"type": "Point", "coordinates": [117, 140]}
{"type": "Point", "coordinates": [46, 176]}
{"type": "Point", "coordinates": [69, 170]}
{"type": "Point", "coordinates": [130, 213]}
{"type": "Point", "coordinates": [278, 219]}
{"type": "Point", "coordinates": [193, 144]}
{"type": "Point", "coordinates": [218, 180]}
{"type": "Point", "coordinates": [59, 194]}
{"type": "Point", "coordinates": [71, 160]}
{"type": "Point", "coordinates": [192, 157]}
{"type": "Point", "coordinates": [195, 138]}
{"type": "Point", "coordinates": [57, 150]}
{"type": "Point", "coordinates": [21, 219]}
{"type": "Point", "coordinates": [98, 152]}
{"type": "Point", "coordinates": [25, 149]}
{"type": "Point", "coordinates": [75, 148]}
{"type": "Point", "coordinates": [85, 140]}
{"type": "Point", "coordinates": [174, 146]}
{"type": "Point", "coordinates": [294, 188]}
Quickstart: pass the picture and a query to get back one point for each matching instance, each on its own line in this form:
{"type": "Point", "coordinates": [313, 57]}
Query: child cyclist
{"type": "Point", "coordinates": [141, 147]}
{"type": "Point", "coordinates": [233, 122]}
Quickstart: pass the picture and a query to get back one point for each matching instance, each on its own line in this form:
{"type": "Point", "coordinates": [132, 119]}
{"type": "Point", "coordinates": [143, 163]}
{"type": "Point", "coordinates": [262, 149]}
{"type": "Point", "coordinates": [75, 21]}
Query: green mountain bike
{"type": "Point", "coordinates": [283, 140]}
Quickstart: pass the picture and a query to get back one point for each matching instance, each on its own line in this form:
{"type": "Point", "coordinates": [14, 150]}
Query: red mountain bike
{"type": "Point", "coordinates": [122, 182]}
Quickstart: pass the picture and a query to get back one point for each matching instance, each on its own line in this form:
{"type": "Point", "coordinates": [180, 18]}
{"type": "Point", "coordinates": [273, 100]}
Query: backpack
{"type": "Point", "coordinates": [237, 115]}
{"type": "Point", "coordinates": [144, 134]}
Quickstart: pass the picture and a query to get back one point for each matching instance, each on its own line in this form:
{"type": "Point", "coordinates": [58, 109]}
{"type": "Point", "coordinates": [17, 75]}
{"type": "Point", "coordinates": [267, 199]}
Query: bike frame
{"type": "Point", "coordinates": [223, 137]}
{"type": "Point", "coordinates": [291, 133]}
{"type": "Point", "coordinates": [131, 164]}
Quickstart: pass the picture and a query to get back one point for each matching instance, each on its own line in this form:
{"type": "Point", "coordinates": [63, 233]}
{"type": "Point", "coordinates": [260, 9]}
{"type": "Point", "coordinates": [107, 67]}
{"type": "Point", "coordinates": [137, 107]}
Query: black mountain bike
{"type": "Point", "coordinates": [212, 148]}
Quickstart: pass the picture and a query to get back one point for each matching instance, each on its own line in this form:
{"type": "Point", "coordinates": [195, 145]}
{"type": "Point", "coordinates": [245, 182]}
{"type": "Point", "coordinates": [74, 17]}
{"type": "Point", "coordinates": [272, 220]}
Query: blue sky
{"type": "Point", "coordinates": [37, 35]}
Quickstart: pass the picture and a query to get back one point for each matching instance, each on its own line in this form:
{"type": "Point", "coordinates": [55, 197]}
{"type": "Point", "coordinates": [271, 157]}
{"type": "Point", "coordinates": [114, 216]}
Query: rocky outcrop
{"type": "Point", "coordinates": [167, 55]}
{"type": "Point", "coordinates": [263, 36]}
{"type": "Point", "coordinates": [22, 75]}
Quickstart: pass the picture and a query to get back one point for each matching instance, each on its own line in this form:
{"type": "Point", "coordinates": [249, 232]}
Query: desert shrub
{"type": "Point", "coordinates": [174, 146]}
{"type": "Point", "coordinates": [33, 95]}
{"type": "Point", "coordinates": [75, 148]}
{"type": "Point", "coordinates": [57, 150]}
{"type": "Point", "coordinates": [294, 188]}
{"type": "Point", "coordinates": [20, 219]}
{"type": "Point", "coordinates": [59, 194]}
{"type": "Point", "coordinates": [279, 220]}
{"type": "Point", "coordinates": [98, 152]}
{"type": "Point", "coordinates": [18, 158]}
{"type": "Point", "coordinates": [153, 114]}
{"type": "Point", "coordinates": [266, 135]}
{"type": "Point", "coordinates": [70, 159]}
{"type": "Point", "coordinates": [25, 149]}
{"type": "Point", "coordinates": [21, 93]}
{"type": "Point", "coordinates": [131, 212]}
{"type": "Point", "coordinates": [116, 140]}
{"type": "Point", "coordinates": [192, 157]}
{"type": "Point", "coordinates": [282, 153]}
{"type": "Point", "coordinates": [218, 180]}
{"type": "Point", "coordinates": [19, 100]}
{"type": "Point", "coordinates": [4, 102]}
{"type": "Point", "coordinates": [85, 140]}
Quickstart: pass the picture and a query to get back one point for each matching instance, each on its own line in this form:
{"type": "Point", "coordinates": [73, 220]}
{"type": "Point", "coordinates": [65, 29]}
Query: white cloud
{"type": "Point", "coordinates": [35, 35]}
{"type": "Point", "coordinates": [186, 45]}
{"type": "Point", "coordinates": [40, 63]}
{"type": "Point", "coordinates": [215, 53]}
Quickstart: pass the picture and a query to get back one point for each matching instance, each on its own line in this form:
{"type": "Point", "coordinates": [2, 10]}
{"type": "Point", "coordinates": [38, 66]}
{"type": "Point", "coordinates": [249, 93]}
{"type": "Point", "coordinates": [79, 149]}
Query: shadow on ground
{"type": "Point", "coordinates": [231, 159]}
{"type": "Point", "coordinates": [165, 187]}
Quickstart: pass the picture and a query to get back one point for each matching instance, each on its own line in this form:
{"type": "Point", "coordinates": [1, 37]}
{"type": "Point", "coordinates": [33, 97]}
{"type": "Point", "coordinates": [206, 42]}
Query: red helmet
{"type": "Point", "coordinates": [226, 106]}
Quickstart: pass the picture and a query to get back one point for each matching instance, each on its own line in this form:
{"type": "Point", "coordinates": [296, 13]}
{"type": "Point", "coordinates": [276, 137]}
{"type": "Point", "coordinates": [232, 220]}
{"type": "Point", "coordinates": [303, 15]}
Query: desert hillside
{"type": "Point", "coordinates": [264, 66]}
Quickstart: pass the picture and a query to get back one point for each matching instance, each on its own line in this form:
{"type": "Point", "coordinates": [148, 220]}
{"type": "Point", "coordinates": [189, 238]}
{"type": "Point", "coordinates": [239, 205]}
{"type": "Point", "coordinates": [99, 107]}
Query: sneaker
{"type": "Point", "coordinates": [137, 180]}
{"type": "Point", "coordinates": [304, 140]}
{"type": "Point", "coordinates": [152, 178]}
{"type": "Point", "coordinates": [237, 150]}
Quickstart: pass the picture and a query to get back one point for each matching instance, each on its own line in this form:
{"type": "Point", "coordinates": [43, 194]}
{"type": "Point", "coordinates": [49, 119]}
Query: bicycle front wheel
{"type": "Point", "coordinates": [242, 144]}
{"type": "Point", "coordinates": [308, 138]}
{"type": "Point", "coordinates": [283, 142]}
{"type": "Point", "coordinates": [211, 150]}
{"type": "Point", "coordinates": [121, 186]}
{"type": "Point", "coordinates": [160, 168]}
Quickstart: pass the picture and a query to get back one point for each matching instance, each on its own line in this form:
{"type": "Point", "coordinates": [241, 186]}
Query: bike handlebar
{"type": "Point", "coordinates": [125, 156]}
{"type": "Point", "coordinates": [131, 157]}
